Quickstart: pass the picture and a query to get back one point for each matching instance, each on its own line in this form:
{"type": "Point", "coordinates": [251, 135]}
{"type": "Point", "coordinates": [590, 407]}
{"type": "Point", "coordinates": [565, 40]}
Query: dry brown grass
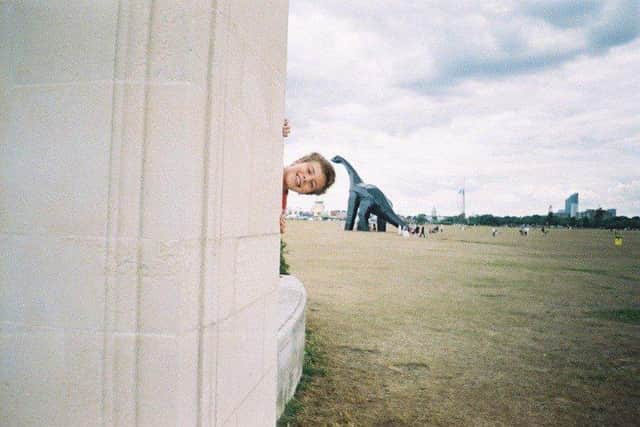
{"type": "Point", "coordinates": [466, 329]}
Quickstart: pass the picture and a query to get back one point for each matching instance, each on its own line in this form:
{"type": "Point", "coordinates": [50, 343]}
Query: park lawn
{"type": "Point", "coordinates": [468, 329]}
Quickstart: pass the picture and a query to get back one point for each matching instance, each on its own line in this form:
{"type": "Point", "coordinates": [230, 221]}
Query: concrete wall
{"type": "Point", "coordinates": [140, 179]}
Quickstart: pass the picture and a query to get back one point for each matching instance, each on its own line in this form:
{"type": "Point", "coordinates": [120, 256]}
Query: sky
{"type": "Point", "coordinates": [522, 103]}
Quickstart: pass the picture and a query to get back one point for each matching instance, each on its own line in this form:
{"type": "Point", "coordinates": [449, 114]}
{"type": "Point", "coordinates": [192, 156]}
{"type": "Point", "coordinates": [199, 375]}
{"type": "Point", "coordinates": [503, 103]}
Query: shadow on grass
{"type": "Point", "coordinates": [480, 242]}
{"type": "Point", "coordinates": [588, 270]}
{"type": "Point", "coordinates": [486, 282]}
{"type": "Point", "coordinates": [628, 315]}
{"type": "Point", "coordinates": [505, 264]}
{"type": "Point", "coordinates": [491, 282]}
{"type": "Point", "coordinates": [358, 349]}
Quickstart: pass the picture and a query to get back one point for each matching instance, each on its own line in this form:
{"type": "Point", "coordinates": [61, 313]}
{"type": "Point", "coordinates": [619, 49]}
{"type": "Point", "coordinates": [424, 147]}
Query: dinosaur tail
{"type": "Point", "coordinates": [395, 219]}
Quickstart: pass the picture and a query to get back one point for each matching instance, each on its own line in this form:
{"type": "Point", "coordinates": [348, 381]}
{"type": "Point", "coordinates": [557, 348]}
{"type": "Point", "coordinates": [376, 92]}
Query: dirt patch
{"type": "Point", "coordinates": [413, 366]}
{"type": "Point", "coordinates": [493, 295]}
{"type": "Point", "coordinates": [358, 349]}
{"type": "Point", "coordinates": [391, 422]}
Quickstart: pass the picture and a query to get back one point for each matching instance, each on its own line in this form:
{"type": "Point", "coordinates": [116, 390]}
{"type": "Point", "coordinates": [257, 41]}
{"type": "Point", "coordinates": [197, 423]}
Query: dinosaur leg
{"type": "Point", "coordinates": [382, 224]}
{"type": "Point", "coordinates": [363, 215]}
{"type": "Point", "coordinates": [352, 210]}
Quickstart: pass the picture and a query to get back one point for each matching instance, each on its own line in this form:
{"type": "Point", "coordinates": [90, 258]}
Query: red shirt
{"type": "Point", "coordinates": [285, 193]}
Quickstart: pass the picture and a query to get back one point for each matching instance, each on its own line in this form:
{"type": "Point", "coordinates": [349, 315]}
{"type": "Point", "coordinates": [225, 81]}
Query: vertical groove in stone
{"type": "Point", "coordinates": [6, 59]}
{"type": "Point", "coordinates": [218, 206]}
{"type": "Point", "coordinates": [223, 118]}
{"type": "Point", "coordinates": [112, 197]}
{"type": "Point", "coordinates": [205, 211]}
{"type": "Point", "coordinates": [221, 170]}
{"type": "Point", "coordinates": [140, 236]}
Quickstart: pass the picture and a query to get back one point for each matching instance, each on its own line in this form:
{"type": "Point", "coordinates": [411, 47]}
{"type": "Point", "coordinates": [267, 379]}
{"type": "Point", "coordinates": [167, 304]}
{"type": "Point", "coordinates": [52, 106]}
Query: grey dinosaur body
{"type": "Point", "coordinates": [367, 199]}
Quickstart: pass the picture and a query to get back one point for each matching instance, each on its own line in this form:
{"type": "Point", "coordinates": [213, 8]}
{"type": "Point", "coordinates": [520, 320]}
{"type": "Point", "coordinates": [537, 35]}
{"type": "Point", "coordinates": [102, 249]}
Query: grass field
{"type": "Point", "coordinates": [463, 328]}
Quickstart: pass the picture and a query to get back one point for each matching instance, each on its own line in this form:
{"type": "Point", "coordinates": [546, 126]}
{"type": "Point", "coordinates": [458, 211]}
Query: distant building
{"type": "Point", "coordinates": [318, 208]}
{"type": "Point", "coordinates": [338, 214]}
{"type": "Point", "coordinates": [434, 215]}
{"type": "Point", "coordinates": [571, 206]}
{"type": "Point", "coordinates": [591, 213]}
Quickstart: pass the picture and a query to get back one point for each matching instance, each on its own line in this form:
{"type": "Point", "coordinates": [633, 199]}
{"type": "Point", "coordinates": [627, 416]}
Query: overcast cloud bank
{"type": "Point", "coordinates": [523, 103]}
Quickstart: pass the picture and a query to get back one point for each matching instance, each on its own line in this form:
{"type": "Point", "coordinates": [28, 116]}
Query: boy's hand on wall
{"type": "Point", "coordinates": [283, 223]}
{"type": "Point", "coordinates": [286, 129]}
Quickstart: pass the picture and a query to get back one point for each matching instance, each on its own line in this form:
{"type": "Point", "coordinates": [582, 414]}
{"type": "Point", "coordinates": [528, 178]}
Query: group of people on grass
{"type": "Point", "coordinates": [419, 230]}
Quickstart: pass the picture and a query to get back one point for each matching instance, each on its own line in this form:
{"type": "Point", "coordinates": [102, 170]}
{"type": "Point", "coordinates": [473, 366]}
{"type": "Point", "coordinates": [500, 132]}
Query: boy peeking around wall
{"type": "Point", "coordinates": [310, 174]}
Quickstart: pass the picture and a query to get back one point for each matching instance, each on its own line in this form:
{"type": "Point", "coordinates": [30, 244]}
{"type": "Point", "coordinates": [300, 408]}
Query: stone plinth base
{"type": "Point", "coordinates": [292, 300]}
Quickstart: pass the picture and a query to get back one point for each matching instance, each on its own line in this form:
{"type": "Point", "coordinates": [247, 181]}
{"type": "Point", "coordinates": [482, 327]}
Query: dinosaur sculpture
{"type": "Point", "coordinates": [367, 199]}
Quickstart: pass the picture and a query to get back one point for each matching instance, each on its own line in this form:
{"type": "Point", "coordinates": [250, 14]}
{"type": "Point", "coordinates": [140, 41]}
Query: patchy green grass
{"type": "Point", "coordinates": [629, 315]}
{"type": "Point", "coordinates": [313, 366]}
{"type": "Point", "coordinates": [284, 266]}
{"type": "Point", "coordinates": [587, 270]}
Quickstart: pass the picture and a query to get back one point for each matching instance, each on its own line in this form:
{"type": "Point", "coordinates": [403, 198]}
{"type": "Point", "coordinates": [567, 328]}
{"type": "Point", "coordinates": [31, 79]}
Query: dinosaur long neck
{"type": "Point", "coordinates": [354, 178]}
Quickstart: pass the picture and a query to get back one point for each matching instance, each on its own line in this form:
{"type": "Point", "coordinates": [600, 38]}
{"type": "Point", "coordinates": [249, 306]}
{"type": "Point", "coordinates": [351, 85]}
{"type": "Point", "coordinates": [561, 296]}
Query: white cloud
{"type": "Point", "coordinates": [522, 133]}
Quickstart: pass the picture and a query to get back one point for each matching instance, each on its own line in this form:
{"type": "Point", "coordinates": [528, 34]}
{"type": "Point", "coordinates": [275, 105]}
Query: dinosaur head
{"type": "Point", "coordinates": [337, 159]}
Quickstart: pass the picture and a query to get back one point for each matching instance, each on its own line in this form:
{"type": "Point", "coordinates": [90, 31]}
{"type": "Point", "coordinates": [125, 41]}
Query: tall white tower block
{"type": "Point", "coordinates": [140, 192]}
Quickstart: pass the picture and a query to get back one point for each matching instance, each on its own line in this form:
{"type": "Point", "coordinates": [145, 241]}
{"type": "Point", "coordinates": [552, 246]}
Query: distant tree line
{"type": "Point", "coordinates": [598, 220]}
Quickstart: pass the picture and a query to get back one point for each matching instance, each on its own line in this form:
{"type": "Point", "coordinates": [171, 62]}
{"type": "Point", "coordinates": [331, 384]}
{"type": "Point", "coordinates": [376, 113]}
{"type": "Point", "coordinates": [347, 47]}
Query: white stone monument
{"type": "Point", "coordinates": [140, 180]}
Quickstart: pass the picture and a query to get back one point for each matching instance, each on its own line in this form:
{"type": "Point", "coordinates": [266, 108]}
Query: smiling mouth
{"type": "Point", "coordinates": [298, 181]}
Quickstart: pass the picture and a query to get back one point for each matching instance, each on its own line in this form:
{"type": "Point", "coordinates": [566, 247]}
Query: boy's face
{"type": "Point", "coordinates": [304, 178]}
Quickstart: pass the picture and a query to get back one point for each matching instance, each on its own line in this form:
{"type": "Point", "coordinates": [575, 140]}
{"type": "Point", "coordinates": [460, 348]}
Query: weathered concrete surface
{"type": "Point", "coordinates": [140, 181]}
{"type": "Point", "coordinates": [292, 300]}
